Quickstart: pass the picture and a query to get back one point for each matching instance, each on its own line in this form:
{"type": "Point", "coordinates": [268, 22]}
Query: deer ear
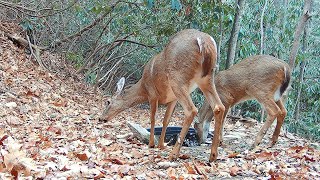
{"type": "Point", "coordinates": [120, 85]}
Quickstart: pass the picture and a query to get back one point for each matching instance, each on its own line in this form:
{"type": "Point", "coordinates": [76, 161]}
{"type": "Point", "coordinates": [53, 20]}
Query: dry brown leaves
{"type": "Point", "coordinates": [49, 128]}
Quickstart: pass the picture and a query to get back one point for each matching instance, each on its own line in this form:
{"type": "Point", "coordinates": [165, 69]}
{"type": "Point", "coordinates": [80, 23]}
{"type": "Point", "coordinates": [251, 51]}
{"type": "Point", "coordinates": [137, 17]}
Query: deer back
{"type": "Point", "coordinates": [253, 78]}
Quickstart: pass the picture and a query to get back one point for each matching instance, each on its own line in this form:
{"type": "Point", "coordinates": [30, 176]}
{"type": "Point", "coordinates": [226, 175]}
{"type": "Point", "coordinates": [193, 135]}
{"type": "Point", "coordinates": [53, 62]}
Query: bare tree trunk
{"type": "Point", "coordinates": [295, 45]}
{"type": "Point", "coordinates": [299, 29]}
{"type": "Point", "coordinates": [262, 46]}
{"type": "Point", "coordinates": [234, 34]}
{"type": "Point", "coordinates": [301, 75]}
{"type": "Point", "coordinates": [261, 27]}
{"type": "Point", "coordinates": [221, 37]}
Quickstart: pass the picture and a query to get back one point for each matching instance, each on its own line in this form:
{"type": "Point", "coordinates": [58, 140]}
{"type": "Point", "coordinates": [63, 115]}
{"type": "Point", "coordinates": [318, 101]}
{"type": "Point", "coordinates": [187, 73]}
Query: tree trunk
{"type": "Point", "coordinates": [262, 46]}
{"type": "Point", "coordinates": [261, 27]}
{"type": "Point", "coordinates": [234, 34]}
{"type": "Point", "coordinates": [301, 75]}
{"type": "Point", "coordinates": [221, 37]}
{"type": "Point", "coordinates": [300, 26]}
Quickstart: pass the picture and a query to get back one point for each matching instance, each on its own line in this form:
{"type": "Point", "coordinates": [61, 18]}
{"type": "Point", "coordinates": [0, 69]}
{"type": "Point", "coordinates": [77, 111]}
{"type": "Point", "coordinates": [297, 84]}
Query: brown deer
{"type": "Point", "coordinates": [185, 63]}
{"type": "Point", "coordinates": [264, 78]}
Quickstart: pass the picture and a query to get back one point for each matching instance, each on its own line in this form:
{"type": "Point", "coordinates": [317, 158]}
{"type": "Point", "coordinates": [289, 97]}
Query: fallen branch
{"type": "Point", "coordinates": [36, 55]}
{"type": "Point", "coordinates": [23, 42]}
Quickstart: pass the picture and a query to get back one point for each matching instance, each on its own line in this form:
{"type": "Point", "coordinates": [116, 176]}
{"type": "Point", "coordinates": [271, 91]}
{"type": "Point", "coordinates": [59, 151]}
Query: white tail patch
{"type": "Point", "coordinates": [277, 94]}
{"type": "Point", "coordinates": [215, 45]}
{"type": "Point", "coordinates": [200, 44]}
{"type": "Point", "coordinates": [285, 72]}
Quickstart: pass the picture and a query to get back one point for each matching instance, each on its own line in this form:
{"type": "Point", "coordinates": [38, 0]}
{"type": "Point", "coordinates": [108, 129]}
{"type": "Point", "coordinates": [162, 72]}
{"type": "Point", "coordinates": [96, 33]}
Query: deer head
{"type": "Point", "coordinates": [123, 99]}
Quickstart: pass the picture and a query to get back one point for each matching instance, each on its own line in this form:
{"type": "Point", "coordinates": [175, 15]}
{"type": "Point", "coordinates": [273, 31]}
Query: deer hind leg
{"type": "Point", "coordinates": [169, 111]}
{"type": "Point", "coordinates": [280, 120]}
{"type": "Point", "coordinates": [153, 109]}
{"type": "Point", "coordinates": [272, 112]}
{"type": "Point", "coordinates": [222, 124]}
{"type": "Point", "coordinates": [218, 108]}
{"type": "Point", "coordinates": [190, 112]}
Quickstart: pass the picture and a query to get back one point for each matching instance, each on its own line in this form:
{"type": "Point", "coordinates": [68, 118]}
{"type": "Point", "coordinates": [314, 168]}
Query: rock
{"type": "Point", "coordinates": [13, 120]}
{"type": "Point", "coordinates": [123, 136]}
{"type": "Point", "coordinates": [11, 104]}
{"type": "Point", "coordinates": [141, 133]}
{"type": "Point", "coordinates": [167, 164]}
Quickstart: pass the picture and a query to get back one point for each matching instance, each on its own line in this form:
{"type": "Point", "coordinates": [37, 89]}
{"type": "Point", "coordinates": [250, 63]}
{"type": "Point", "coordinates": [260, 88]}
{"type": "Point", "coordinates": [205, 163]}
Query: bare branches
{"type": "Point", "coordinates": [130, 41]}
{"type": "Point", "coordinates": [33, 12]}
{"type": "Point", "coordinates": [36, 55]}
{"type": "Point", "coordinates": [79, 33]}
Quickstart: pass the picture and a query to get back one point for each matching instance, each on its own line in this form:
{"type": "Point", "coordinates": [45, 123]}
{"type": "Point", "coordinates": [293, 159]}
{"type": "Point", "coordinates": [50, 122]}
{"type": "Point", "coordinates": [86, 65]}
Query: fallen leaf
{"type": "Point", "coordinates": [233, 155]}
{"type": "Point", "coordinates": [189, 168]}
{"type": "Point", "coordinates": [265, 156]}
{"type": "Point", "coordinates": [116, 161]}
{"type": "Point", "coordinates": [82, 157]}
{"type": "Point", "coordinates": [3, 138]}
{"type": "Point", "coordinates": [234, 170]}
{"type": "Point", "coordinates": [55, 130]}
{"type": "Point", "coordinates": [295, 149]}
{"type": "Point", "coordinates": [184, 156]}
{"type": "Point", "coordinates": [274, 175]}
{"type": "Point", "coordinates": [60, 103]}
{"type": "Point", "coordinates": [172, 173]}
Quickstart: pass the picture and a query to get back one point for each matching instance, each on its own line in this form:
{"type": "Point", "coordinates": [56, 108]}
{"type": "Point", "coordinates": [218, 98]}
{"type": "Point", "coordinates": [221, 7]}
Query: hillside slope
{"type": "Point", "coordinates": [49, 128]}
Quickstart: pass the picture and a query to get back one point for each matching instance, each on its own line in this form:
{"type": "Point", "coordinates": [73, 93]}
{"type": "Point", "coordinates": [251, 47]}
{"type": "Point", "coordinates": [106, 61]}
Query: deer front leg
{"type": "Point", "coordinates": [190, 112]}
{"type": "Point", "coordinates": [218, 116]}
{"type": "Point", "coordinates": [167, 116]}
{"type": "Point", "coordinates": [280, 120]}
{"type": "Point", "coordinates": [153, 109]}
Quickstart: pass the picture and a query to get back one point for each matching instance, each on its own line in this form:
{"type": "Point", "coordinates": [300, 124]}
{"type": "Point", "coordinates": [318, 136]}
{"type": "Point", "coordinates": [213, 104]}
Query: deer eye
{"type": "Point", "coordinates": [108, 103]}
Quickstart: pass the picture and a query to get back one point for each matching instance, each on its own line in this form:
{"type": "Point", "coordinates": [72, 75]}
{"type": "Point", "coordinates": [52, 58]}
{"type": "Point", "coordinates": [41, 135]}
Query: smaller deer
{"type": "Point", "coordinates": [185, 63]}
{"type": "Point", "coordinates": [264, 78]}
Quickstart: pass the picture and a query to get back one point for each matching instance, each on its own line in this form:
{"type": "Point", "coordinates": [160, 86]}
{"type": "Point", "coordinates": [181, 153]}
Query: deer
{"type": "Point", "coordinates": [185, 63]}
{"type": "Point", "coordinates": [261, 77]}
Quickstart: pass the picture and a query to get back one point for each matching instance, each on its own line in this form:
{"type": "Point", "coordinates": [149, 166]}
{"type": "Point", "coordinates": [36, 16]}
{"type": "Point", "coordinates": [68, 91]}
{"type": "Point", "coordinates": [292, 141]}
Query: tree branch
{"type": "Point", "coordinates": [134, 42]}
{"type": "Point", "coordinates": [79, 33]}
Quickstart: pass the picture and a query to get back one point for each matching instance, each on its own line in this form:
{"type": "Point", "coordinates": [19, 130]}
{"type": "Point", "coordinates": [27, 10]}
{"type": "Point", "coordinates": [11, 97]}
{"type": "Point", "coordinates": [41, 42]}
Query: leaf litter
{"type": "Point", "coordinates": [49, 128]}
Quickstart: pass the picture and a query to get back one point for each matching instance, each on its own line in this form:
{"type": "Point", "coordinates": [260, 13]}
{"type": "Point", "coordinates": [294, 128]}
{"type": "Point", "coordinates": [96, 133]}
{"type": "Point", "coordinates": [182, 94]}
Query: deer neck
{"type": "Point", "coordinates": [135, 95]}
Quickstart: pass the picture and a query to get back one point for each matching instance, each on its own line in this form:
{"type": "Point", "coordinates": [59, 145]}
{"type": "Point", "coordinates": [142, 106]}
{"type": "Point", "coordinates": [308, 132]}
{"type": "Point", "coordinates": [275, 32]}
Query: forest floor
{"type": "Point", "coordinates": [49, 129]}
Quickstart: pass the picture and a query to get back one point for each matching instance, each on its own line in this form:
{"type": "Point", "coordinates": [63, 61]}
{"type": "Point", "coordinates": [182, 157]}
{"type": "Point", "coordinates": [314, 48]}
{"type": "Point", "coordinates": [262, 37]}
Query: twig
{"type": "Point", "coordinates": [134, 42]}
{"type": "Point", "coordinates": [36, 54]}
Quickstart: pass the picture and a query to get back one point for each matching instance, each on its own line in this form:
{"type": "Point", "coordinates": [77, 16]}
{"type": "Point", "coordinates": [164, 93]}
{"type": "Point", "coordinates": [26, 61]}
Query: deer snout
{"type": "Point", "coordinates": [105, 115]}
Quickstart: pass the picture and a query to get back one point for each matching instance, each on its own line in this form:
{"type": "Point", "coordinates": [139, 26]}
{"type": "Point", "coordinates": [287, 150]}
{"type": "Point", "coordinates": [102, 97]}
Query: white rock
{"type": "Point", "coordinates": [167, 164]}
{"type": "Point", "coordinates": [11, 104]}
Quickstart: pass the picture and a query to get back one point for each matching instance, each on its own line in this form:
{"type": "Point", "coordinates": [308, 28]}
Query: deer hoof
{"type": "Point", "coordinates": [161, 147]}
{"type": "Point", "coordinates": [173, 156]}
{"type": "Point", "coordinates": [213, 157]}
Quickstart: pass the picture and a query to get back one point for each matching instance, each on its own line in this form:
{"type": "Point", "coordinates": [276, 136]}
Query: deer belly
{"type": "Point", "coordinates": [167, 97]}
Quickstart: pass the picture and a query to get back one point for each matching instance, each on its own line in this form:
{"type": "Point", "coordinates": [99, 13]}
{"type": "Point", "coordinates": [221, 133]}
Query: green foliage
{"type": "Point", "coordinates": [75, 58]}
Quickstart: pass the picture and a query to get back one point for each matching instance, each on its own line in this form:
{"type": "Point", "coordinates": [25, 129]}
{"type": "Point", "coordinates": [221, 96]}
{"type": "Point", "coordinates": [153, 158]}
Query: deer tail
{"type": "Point", "coordinates": [209, 55]}
{"type": "Point", "coordinates": [286, 80]}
